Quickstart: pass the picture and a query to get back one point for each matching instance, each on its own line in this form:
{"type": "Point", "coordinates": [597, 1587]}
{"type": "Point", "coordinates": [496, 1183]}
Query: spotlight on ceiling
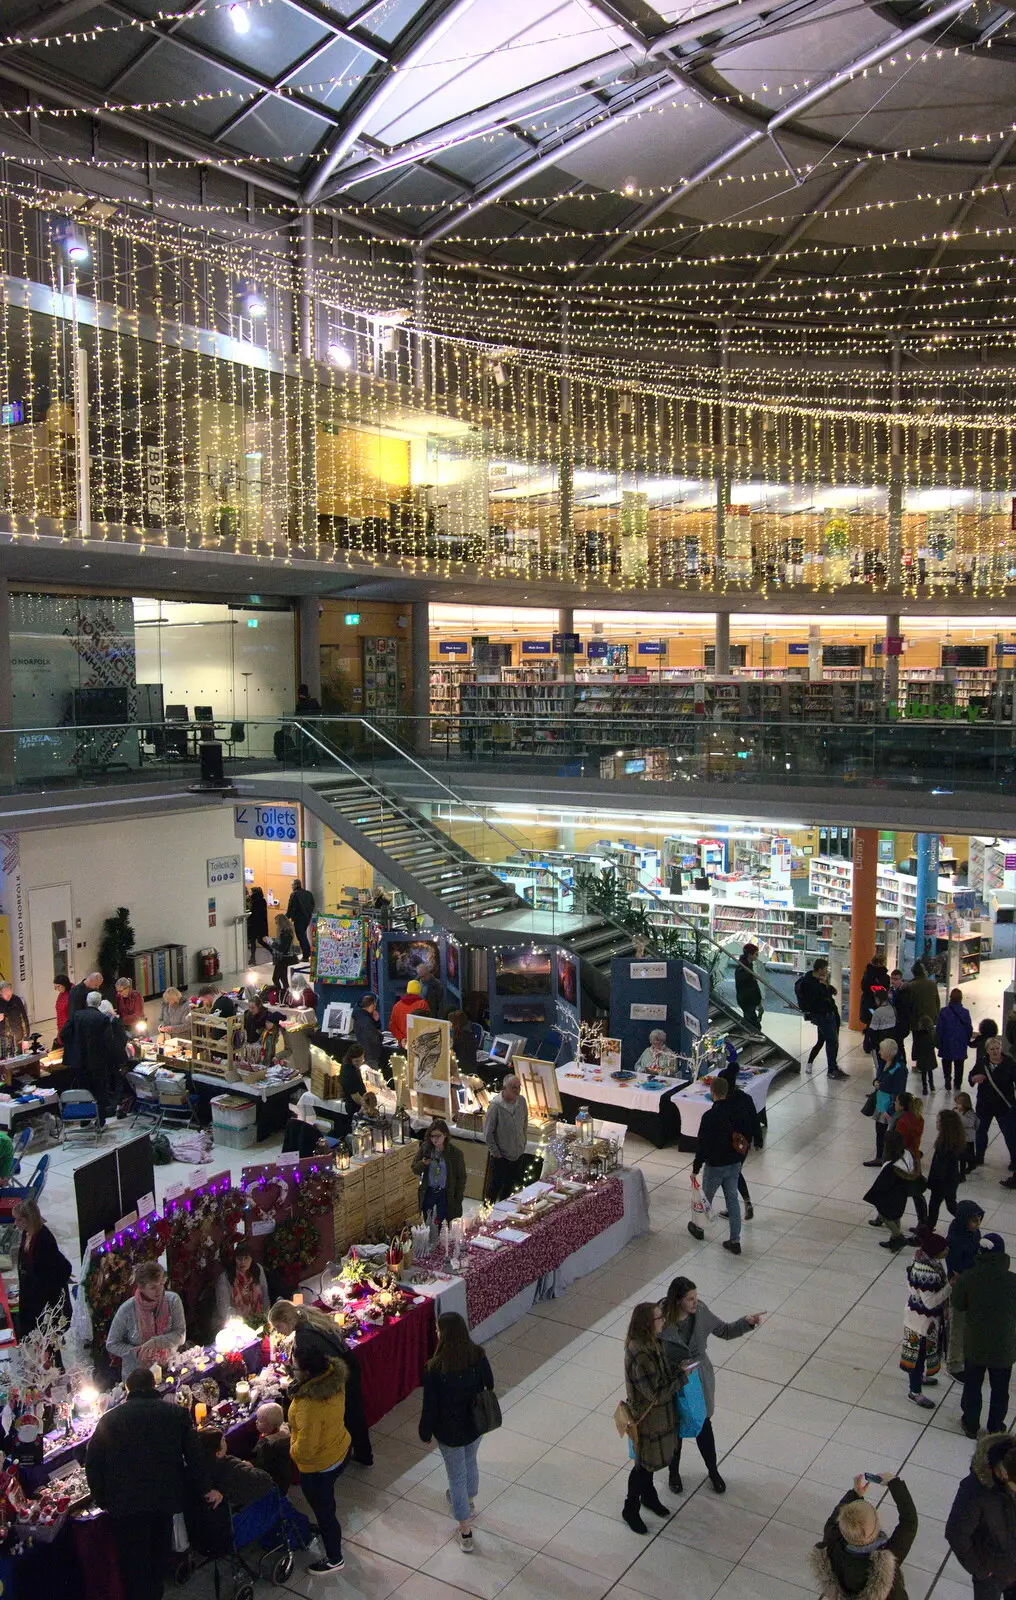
{"type": "Point", "coordinates": [78, 252]}
{"type": "Point", "coordinates": [255, 305]}
{"type": "Point", "coordinates": [340, 357]}
{"type": "Point", "coordinates": [240, 18]}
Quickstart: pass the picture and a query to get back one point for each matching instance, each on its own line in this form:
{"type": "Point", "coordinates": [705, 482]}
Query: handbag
{"type": "Point", "coordinates": [868, 1108]}
{"type": "Point", "coordinates": [486, 1411]}
{"type": "Point", "coordinates": [691, 1407]}
{"type": "Point", "coordinates": [626, 1423]}
{"type": "Point", "coordinates": [741, 1143]}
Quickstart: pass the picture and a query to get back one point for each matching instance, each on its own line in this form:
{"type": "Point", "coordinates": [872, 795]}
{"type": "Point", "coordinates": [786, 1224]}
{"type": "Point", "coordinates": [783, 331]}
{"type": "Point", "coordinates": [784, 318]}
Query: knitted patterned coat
{"type": "Point", "coordinates": [650, 1388]}
{"type": "Point", "coordinates": [927, 1313]}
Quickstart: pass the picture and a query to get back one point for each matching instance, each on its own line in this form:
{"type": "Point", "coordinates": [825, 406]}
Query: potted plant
{"type": "Point", "coordinates": [115, 945]}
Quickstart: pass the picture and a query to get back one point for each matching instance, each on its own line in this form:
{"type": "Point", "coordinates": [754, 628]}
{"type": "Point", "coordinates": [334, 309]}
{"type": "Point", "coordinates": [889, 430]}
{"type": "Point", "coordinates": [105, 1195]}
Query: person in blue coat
{"type": "Point", "coordinates": [953, 1034]}
{"type": "Point", "coordinates": [890, 1080]}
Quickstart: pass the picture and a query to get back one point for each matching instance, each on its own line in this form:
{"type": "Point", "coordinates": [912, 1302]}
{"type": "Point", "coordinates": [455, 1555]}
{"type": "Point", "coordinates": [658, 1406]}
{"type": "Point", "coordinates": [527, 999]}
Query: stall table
{"type": "Point", "coordinates": [692, 1102]}
{"type": "Point", "coordinates": [271, 1100]}
{"type": "Point", "coordinates": [14, 1111]}
{"type": "Point", "coordinates": [500, 1287]}
{"type": "Point", "coordinates": [647, 1112]}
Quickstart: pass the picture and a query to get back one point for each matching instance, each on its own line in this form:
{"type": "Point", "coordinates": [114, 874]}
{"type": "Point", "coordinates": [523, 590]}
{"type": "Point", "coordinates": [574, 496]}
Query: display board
{"type": "Point", "coordinates": [429, 1054]}
{"type": "Point", "coordinates": [338, 949]}
{"type": "Point", "coordinates": [380, 674]}
{"type": "Point", "coordinates": [646, 995]}
{"type": "Point", "coordinates": [108, 1188]}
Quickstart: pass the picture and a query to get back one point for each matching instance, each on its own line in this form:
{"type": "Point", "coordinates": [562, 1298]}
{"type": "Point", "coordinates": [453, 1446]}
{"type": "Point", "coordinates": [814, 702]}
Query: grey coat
{"type": "Point", "coordinates": [124, 1340]}
{"type": "Point", "coordinates": [688, 1341]}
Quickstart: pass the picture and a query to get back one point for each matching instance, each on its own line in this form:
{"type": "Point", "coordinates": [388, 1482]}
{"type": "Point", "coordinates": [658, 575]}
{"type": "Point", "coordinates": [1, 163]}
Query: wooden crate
{"type": "Point", "coordinates": [374, 1179]}
{"type": "Point", "coordinates": [215, 1043]}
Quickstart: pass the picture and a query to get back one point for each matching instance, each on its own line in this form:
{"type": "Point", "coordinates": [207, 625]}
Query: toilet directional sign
{"type": "Point", "coordinates": [265, 822]}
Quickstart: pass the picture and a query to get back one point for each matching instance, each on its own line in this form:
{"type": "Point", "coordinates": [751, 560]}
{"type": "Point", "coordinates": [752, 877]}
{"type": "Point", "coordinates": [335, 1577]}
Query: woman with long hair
{"type": "Point", "coordinates": [257, 923]}
{"type": "Point", "coordinates": [687, 1326]}
{"type": "Point", "coordinates": [310, 1329]}
{"type": "Point", "coordinates": [285, 951]}
{"type": "Point", "coordinates": [319, 1444]}
{"type": "Point", "coordinates": [650, 1388]}
{"type": "Point", "coordinates": [43, 1272]}
{"type": "Point", "coordinates": [454, 1377]}
{"type": "Point", "coordinates": [441, 1168]}
{"type": "Point", "coordinates": [241, 1289]}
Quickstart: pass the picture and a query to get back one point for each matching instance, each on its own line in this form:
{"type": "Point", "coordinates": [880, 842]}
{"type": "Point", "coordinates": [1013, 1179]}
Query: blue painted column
{"type": "Point", "coordinates": [927, 886]}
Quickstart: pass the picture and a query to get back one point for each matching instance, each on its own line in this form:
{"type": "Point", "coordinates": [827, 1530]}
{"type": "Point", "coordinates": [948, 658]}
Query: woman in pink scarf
{"type": "Point", "coordinates": [148, 1326]}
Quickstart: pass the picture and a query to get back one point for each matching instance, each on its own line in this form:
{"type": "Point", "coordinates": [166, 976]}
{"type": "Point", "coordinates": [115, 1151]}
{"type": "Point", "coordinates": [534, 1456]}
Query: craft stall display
{"type": "Point", "coordinates": [642, 1101]}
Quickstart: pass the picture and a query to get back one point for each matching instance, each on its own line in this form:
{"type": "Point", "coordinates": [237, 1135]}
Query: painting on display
{"type": "Point", "coordinates": [338, 949]}
{"type": "Point", "coordinates": [568, 976]}
{"type": "Point", "coordinates": [429, 1054]}
{"type": "Point", "coordinates": [413, 958]}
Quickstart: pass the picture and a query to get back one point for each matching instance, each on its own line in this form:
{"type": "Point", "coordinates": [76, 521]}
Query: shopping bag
{"type": "Point", "coordinates": [700, 1210]}
{"type": "Point", "coordinates": [691, 1407]}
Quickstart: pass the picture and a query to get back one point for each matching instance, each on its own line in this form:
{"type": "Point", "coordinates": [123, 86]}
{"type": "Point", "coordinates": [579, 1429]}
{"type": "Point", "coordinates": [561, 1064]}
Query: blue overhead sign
{"type": "Point", "coordinates": [797, 649]}
{"type": "Point", "coordinates": [597, 649]}
{"type": "Point", "coordinates": [536, 647]}
{"type": "Point", "coordinates": [652, 647]}
{"type": "Point", "coordinates": [453, 647]}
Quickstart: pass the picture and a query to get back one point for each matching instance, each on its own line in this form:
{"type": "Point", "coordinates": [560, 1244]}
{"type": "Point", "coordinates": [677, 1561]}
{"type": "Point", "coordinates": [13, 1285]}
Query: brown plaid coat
{"type": "Point", "coordinates": [650, 1388]}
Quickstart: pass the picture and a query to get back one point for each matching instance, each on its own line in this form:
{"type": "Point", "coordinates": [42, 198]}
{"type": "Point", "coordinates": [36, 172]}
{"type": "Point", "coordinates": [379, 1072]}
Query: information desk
{"type": "Point", "coordinates": [500, 1287]}
{"type": "Point", "coordinates": [692, 1102]}
{"type": "Point", "coordinates": [645, 1111]}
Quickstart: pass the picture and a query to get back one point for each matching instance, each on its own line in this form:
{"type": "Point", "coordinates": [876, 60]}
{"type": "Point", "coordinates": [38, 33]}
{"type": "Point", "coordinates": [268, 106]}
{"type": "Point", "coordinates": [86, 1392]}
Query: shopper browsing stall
{"type": "Point", "coordinates": [441, 1168]}
{"type": "Point", "coordinates": [505, 1131]}
{"type": "Point", "coordinates": [130, 1007]}
{"type": "Point", "coordinates": [312, 1330]}
{"type": "Point", "coordinates": [453, 1381]}
{"type": "Point", "coordinates": [241, 1290]}
{"type": "Point", "coordinates": [688, 1325]}
{"type": "Point", "coordinates": [240, 1483]}
{"type": "Point", "coordinates": [407, 1005]}
{"type": "Point", "coordinates": [148, 1326]}
{"type": "Point", "coordinates": [319, 1444]}
{"type": "Point", "coordinates": [368, 1033]}
{"type": "Point", "coordinates": [144, 1464]}
{"type": "Point", "coordinates": [44, 1273]}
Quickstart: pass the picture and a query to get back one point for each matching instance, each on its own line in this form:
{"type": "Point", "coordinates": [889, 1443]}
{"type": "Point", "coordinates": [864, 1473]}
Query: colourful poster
{"type": "Point", "coordinates": [338, 949]}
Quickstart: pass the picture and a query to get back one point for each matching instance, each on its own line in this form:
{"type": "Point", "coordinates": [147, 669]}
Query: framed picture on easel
{"type": "Point", "coordinates": [539, 1087]}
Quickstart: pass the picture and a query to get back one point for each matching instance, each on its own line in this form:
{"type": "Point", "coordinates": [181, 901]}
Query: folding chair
{"type": "Point", "coordinates": [146, 1099]}
{"type": "Point", "coordinates": [79, 1114]}
{"type": "Point", "coordinates": [176, 1106]}
{"type": "Point", "coordinates": [11, 1193]}
{"type": "Point", "coordinates": [21, 1144]}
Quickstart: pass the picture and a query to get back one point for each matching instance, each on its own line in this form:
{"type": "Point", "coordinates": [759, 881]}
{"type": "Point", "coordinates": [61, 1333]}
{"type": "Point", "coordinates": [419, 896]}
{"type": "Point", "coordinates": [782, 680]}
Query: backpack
{"type": "Point", "coordinates": [801, 992]}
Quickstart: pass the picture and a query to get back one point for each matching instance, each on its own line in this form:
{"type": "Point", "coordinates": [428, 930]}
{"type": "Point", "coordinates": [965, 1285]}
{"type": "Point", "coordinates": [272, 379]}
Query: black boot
{"type": "Point", "coordinates": [653, 1503]}
{"type": "Point", "coordinates": [630, 1514]}
{"type": "Point", "coordinates": [717, 1482]}
{"type": "Point", "coordinates": [674, 1483]}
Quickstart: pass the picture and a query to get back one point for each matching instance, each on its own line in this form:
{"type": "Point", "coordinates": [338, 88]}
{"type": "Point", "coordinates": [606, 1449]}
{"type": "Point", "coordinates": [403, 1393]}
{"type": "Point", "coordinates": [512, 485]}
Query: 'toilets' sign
{"type": "Point", "coordinates": [265, 822]}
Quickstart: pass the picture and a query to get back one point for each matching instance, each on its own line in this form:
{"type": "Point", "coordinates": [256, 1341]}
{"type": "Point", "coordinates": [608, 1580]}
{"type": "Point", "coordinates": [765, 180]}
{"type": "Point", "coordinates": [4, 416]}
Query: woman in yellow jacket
{"type": "Point", "coordinates": [319, 1444]}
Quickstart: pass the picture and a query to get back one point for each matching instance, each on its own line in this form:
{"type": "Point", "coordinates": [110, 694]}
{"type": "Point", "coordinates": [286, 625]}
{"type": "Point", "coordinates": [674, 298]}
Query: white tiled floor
{"type": "Point", "coordinates": [811, 1398]}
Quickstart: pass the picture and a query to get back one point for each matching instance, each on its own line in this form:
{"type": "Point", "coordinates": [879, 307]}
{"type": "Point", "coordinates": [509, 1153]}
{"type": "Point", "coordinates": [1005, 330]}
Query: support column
{"type": "Point", "coordinates": [566, 624]}
{"type": "Point", "coordinates": [893, 623]}
{"type": "Point", "coordinates": [862, 915]}
{"type": "Point", "coordinates": [721, 665]}
{"type": "Point", "coordinates": [566, 470]}
{"type": "Point", "coordinates": [926, 887]}
{"type": "Point", "coordinates": [310, 644]}
{"type": "Point", "coordinates": [815, 652]}
{"type": "Point", "coordinates": [420, 736]}
{"type": "Point", "coordinates": [6, 691]}
{"type": "Point", "coordinates": [305, 299]}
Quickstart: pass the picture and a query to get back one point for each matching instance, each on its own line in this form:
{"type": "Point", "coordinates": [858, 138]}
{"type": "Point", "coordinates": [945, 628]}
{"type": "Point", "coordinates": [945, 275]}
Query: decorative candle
{"type": "Point", "coordinates": [156, 1372]}
{"type": "Point", "coordinates": [243, 1393]}
{"type": "Point", "coordinates": [200, 1413]}
{"type": "Point", "coordinates": [298, 1298]}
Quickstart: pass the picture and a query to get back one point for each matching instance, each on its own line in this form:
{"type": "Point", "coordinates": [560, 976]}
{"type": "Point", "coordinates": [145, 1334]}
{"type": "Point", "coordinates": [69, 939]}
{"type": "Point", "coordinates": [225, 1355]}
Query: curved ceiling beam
{"type": "Point", "coordinates": [488, 194]}
{"type": "Point", "coordinates": [378, 87]}
{"type": "Point", "coordinates": [936, 18]}
{"type": "Point", "coordinates": [487, 119]}
{"type": "Point", "coordinates": [958, 217]}
{"type": "Point", "coordinates": [803, 223]}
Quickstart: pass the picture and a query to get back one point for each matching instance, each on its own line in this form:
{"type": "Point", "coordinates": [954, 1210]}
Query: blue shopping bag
{"type": "Point", "coordinates": [691, 1408]}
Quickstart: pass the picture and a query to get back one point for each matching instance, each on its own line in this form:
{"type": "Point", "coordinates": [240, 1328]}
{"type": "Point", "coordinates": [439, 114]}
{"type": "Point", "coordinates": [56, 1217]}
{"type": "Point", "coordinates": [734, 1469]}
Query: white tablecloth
{"type": "Point", "coordinates": [694, 1101]}
{"type": "Point", "coordinates": [606, 1091]}
{"type": "Point", "coordinates": [42, 1100]}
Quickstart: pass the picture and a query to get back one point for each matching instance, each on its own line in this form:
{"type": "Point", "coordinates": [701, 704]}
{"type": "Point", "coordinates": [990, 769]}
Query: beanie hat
{"type": "Point", "coordinates": [412, 987]}
{"type": "Point", "coordinates": [930, 1242]}
{"type": "Point", "coordinates": [992, 1243]}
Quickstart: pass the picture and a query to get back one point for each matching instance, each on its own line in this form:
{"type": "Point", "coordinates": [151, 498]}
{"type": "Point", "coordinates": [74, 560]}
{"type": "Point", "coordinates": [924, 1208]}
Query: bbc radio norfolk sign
{"type": "Point", "coordinates": [265, 822]}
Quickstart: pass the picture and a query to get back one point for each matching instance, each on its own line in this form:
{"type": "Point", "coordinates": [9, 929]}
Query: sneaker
{"type": "Point", "coordinates": [466, 1542]}
{"type": "Point", "coordinates": [695, 1231]}
{"type": "Point", "coordinates": [875, 1222]}
{"type": "Point", "coordinates": [808, 1069]}
{"type": "Point", "coordinates": [834, 1072]}
{"type": "Point", "coordinates": [931, 1383]}
{"type": "Point", "coordinates": [876, 1162]}
{"type": "Point", "coordinates": [749, 1211]}
{"type": "Point", "coordinates": [326, 1565]}
{"type": "Point", "coordinates": [971, 1433]}
{"type": "Point", "coordinates": [921, 1400]}
{"type": "Point", "coordinates": [896, 1243]}
{"type": "Point", "coordinates": [733, 1246]}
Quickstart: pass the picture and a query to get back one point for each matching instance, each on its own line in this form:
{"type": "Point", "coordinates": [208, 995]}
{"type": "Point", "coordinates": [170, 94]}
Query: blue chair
{"type": "Point", "coordinates": [21, 1144]}
{"type": "Point", "coordinates": [79, 1114]}
{"type": "Point", "coordinates": [11, 1193]}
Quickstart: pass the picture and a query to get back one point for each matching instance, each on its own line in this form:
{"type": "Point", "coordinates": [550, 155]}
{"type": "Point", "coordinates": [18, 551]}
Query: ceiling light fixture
{"type": "Point", "coordinates": [240, 18]}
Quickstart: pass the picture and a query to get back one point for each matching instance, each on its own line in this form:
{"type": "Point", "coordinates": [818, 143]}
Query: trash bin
{"type": "Point", "coordinates": [208, 965]}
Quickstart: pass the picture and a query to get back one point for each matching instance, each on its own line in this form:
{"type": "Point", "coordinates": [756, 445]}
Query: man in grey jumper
{"type": "Point", "coordinates": [505, 1133]}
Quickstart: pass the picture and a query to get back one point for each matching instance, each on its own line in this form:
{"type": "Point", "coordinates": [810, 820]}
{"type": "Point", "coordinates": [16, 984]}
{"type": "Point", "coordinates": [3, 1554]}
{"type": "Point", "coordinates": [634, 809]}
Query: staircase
{"type": "Point", "coordinates": [462, 895]}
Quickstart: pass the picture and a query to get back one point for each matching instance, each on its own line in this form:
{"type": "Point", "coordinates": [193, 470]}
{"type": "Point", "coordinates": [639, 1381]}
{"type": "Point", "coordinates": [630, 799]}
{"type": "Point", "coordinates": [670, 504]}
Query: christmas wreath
{"type": "Point", "coordinates": [292, 1247]}
{"type": "Point", "coordinates": [317, 1189]}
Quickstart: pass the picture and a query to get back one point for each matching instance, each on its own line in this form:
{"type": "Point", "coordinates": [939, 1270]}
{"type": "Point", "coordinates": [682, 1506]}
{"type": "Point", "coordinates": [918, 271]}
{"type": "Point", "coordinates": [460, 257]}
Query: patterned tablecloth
{"type": "Point", "coordinates": [493, 1277]}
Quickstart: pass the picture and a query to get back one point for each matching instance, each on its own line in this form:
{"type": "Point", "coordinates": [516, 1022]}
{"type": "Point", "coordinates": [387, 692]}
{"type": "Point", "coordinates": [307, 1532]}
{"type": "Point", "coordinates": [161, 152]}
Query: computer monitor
{"type": "Point", "coordinates": [502, 1049]}
{"type": "Point", "coordinates": [177, 714]}
{"type": "Point", "coordinates": [486, 1040]}
{"type": "Point", "coordinates": [203, 714]}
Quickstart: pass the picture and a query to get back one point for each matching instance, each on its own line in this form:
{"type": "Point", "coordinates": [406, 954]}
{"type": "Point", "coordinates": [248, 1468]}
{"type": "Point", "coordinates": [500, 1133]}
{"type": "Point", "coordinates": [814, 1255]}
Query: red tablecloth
{"type": "Point", "coordinates": [392, 1359]}
{"type": "Point", "coordinates": [495, 1277]}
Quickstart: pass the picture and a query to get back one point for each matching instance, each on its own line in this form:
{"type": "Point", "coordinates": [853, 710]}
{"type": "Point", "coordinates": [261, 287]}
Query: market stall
{"type": "Point", "coordinates": [692, 1102]}
{"type": "Point", "coordinates": [644, 1103]}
